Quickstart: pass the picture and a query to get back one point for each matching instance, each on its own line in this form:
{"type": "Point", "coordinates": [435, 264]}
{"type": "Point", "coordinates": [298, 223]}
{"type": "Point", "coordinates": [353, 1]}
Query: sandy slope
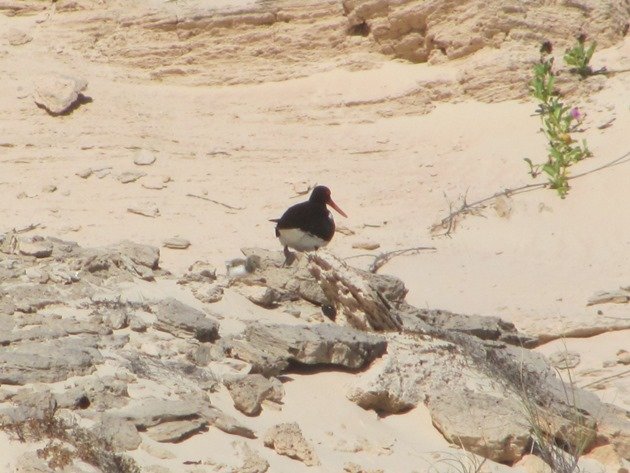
{"type": "Point", "coordinates": [392, 169]}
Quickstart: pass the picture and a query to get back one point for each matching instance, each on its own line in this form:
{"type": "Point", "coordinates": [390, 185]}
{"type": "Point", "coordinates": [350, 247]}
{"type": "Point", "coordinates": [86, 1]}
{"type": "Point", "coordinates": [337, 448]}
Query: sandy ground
{"type": "Point", "coordinates": [253, 147]}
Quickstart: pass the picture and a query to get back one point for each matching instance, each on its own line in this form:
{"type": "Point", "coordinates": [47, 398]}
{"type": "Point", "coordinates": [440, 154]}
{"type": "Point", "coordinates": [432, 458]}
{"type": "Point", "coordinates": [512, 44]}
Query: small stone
{"type": "Point", "coordinates": [101, 173]}
{"type": "Point", "coordinates": [176, 431]}
{"type": "Point", "coordinates": [70, 228]}
{"type": "Point", "coordinates": [118, 319]}
{"type": "Point", "coordinates": [36, 246]}
{"type": "Point", "coordinates": [58, 93]}
{"type": "Point", "coordinates": [176, 243]}
{"type": "Point", "coordinates": [199, 271]}
{"type": "Point", "coordinates": [154, 182]}
{"type": "Point", "coordinates": [17, 37]}
{"type": "Point", "coordinates": [85, 173]}
{"type": "Point", "coordinates": [210, 296]}
{"type": "Point", "coordinates": [144, 157]}
{"type": "Point", "coordinates": [366, 245]}
{"type": "Point", "coordinates": [36, 274]}
{"type": "Point", "coordinates": [148, 209]}
{"type": "Point", "coordinates": [293, 311]}
{"type": "Point", "coordinates": [263, 296]}
{"type": "Point", "coordinates": [287, 439]}
{"type": "Point", "coordinates": [50, 188]}
{"type": "Point", "coordinates": [130, 176]}
{"type": "Point", "coordinates": [623, 357]}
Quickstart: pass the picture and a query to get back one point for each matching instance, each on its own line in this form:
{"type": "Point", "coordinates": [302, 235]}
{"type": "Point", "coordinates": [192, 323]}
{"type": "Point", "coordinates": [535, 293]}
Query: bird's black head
{"type": "Point", "coordinates": [320, 194]}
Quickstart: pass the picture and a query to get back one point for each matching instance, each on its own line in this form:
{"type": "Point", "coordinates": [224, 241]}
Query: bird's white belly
{"type": "Point", "coordinates": [300, 240]}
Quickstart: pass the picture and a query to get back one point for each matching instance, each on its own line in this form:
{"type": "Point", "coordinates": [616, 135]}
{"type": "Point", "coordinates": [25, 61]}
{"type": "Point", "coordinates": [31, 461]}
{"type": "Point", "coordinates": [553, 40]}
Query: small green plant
{"type": "Point", "coordinates": [558, 121]}
{"type": "Point", "coordinates": [579, 57]}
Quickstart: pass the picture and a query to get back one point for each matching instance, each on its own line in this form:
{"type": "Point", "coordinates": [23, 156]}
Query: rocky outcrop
{"type": "Point", "coordinates": [421, 30]}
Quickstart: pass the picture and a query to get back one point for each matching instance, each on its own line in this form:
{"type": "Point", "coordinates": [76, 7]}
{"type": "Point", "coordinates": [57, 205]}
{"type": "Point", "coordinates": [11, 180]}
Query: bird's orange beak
{"type": "Point", "coordinates": [336, 207]}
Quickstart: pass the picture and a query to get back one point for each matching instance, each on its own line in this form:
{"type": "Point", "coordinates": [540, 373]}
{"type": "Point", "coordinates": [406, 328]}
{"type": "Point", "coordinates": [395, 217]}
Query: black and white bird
{"type": "Point", "coordinates": [308, 225]}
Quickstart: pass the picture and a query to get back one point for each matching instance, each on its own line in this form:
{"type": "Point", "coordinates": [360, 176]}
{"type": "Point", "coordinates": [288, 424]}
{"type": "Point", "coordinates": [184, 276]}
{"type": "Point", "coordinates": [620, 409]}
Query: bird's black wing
{"type": "Point", "coordinates": [308, 217]}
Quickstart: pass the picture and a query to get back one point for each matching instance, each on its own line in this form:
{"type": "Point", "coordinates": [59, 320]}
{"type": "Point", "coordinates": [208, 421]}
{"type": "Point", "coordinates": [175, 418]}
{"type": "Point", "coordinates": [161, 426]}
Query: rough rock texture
{"type": "Point", "coordinates": [418, 30]}
{"type": "Point", "coordinates": [493, 427]}
{"type": "Point", "coordinates": [249, 393]}
{"type": "Point", "coordinates": [122, 434]}
{"type": "Point", "coordinates": [47, 361]}
{"type": "Point", "coordinates": [63, 314]}
{"type": "Point", "coordinates": [361, 304]}
{"type": "Point", "coordinates": [272, 349]}
{"type": "Point", "coordinates": [252, 461]}
{"type": "Point", "coordinates": [287, 439]}
{"type": "Point", "coordinates": [58, 93]}
{"type": "Point", "coordinates": [183, 321]}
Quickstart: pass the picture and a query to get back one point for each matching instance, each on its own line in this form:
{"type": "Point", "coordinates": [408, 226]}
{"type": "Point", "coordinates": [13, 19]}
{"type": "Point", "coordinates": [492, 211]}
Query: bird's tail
{"type": "Point", "coordinates": [274, 220]}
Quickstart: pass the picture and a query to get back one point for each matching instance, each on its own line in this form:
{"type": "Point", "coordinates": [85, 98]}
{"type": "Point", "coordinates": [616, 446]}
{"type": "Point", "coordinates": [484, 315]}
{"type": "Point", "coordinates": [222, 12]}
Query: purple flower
{"type": "Point", "coordinates": [576, 114]}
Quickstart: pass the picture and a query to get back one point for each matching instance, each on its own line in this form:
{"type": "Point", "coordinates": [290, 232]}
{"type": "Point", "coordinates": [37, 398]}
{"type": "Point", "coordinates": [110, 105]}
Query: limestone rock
{"type": "Point", "coordinates": [130, 176]}
{"type": "Point", "coordinates": [47, 361]}
{"type": "Point", "coordinates": [483, 424]}
{"type": "Point", "coordinates": [317, 344]}
{"type": "Point", "coordinates": [150, 412]}
{"type": "Point", "coordinates": [395, 384]}
{"type": "Point", "coordinates": [413, 29]}
{"type": "Point", "coordinates": [208, 294]}
{"type": "Point", "coordinates": [289, 282]}
{"type": "Point", "coordinates": [366, 245]}
{"type": "Point", "coordinates": [226, 423]}
{"type": "Point", "coordinates": [623, 357]}
{"type": "Point", "coordinates": [183, 321]}
{"type": "Point", "coordinates": [144, 255]}
{"type": "Point", "coordinates": [147, 209]}
{"type": "Point", "coordinates": [352, 293]}
{"type": "Point", "coordinates": [252, 461]}
{"type": "Point", "coordinates": [287, 439]}
{"type": "Point", "coordinates": [199, 271]}
{"type": "Point", "coordinates": [58, 93]}
{"type": "Point", "coordinates": [176, 431]}
{"type": "Point", "coordinates": [35, 246]}
{"type": "Point", "coordinates": [176, 243]}
{"type": "Point", "coordinates": [17, 37]}
{"type": "Point", "coordinates": [144, 157]}
{"type": "Point", "coordinates": [121, 433]}
{"type": "Point", "coordinates": [249, 392]}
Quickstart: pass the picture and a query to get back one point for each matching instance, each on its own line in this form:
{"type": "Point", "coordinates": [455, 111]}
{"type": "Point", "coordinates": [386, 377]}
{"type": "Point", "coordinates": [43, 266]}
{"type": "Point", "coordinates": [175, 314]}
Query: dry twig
{"type": "Point", "coordinates": [449, 222]}
{"type": "Point", "coordinates": [215, 202]}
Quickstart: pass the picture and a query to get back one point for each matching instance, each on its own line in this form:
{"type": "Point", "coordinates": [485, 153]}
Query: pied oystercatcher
{"type": "Point", "coordinates": [308, 225]}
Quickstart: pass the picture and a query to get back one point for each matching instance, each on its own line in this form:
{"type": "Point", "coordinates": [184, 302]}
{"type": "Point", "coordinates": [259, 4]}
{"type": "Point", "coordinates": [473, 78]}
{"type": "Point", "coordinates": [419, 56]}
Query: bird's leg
{"type": "Point", "coordinates": [289, 257]}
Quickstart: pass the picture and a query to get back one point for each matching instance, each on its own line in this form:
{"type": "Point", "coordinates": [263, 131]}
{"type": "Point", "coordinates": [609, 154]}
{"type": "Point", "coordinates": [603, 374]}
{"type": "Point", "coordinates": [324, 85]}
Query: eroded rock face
{"type": "Point", "coordinates": [421, 30]}
{"type": "Point", "coordinates": [287, 439]}
{"type": "Point", "coordinates": [490, 426]}
{"type": "Point", "coordinates": [249, 392]}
